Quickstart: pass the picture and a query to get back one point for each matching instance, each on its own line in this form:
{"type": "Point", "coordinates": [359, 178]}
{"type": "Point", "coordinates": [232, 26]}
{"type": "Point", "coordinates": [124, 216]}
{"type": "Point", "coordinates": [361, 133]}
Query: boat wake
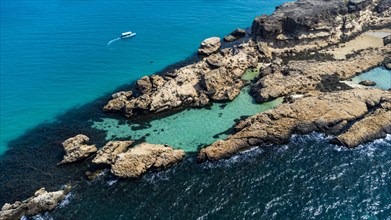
{"type": "Point", "coordinates": [112, 41]}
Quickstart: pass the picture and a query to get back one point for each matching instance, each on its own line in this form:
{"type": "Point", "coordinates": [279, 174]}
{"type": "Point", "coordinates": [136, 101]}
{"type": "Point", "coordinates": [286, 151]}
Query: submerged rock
{"type": "Point", "coordinates": [367, 83]}
{"type": "Point", "coordinates": [139, 159]}
{"type": "Point", "coordinates": [77, 149]}
{"type": "Point", "coordinates": [320, 112]}
{"type": "Point", "coordinates": [110, 151]}
{"type": "Point", "coordinates": [209, 46]}
{"type": "Point", "coordinates": [42, 201]}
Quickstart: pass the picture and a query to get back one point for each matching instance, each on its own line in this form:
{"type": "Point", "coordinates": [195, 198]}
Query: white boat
{"type": "Point", "coordinates": [127, 34]}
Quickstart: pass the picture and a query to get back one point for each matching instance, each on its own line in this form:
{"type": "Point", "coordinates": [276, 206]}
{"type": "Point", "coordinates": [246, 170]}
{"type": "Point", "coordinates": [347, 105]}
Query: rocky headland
{"type": "Point", "coordinates": [293, 46]}
{"type": "Point", "coordinates": [291, 50]}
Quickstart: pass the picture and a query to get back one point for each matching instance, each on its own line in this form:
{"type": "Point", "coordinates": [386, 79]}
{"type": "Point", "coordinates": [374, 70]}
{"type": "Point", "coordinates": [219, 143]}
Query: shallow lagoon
{"type": "Point", "coordinates": [188, 129]}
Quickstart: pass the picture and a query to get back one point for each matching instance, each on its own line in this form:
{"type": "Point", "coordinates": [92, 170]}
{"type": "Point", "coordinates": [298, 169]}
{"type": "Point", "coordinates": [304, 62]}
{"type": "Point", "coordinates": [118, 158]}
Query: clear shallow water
{"type": "Point", "coordinates": [306, 179]}
{"type": "Point", "coordinates": [189, 129]}
{"type": "Point", "coordinates": [380, 75]}
{"type": "Point", "coordinates": [54, 54]}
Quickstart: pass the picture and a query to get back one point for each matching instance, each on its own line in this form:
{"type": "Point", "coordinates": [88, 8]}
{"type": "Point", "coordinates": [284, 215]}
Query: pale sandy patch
{"type": "Point", "coordinates": [365, 40]}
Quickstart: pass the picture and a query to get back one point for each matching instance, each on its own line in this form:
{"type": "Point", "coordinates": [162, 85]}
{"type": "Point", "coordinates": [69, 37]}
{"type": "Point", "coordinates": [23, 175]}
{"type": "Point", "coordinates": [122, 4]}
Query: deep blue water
{"type": "Point", "coordinates": [54, 54]}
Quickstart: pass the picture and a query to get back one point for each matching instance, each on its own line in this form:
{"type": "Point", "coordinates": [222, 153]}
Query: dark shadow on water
{"type": "Point", "coordinates": [30, 161]}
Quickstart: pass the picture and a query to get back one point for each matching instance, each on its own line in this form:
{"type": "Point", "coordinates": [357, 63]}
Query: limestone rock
{"type": "Point", "coordinates": [300, 76]}
{"type": "Point", "coordinates": [374, 126]}
{"type": "Point", "coordinates": [186, 86]}
{"type": "Point", "coordinates": [209, 46]}
{"type": "Point", "coordinates": [41, 201]}
{"type": "Point", "coordinates": [229, 38]}
{"type": "Point", "coordinates": [216, 85]}
{"type": "Point", "coordinates": [118, 101]}
{"type": "Point", "coordinates": [110, 151]}
{"type": "Point", "coordinates": [77, 149]}
{"type": "Point", "coordinates": [316, 23]}
{"type": "Point", "coordinates": [319, 112]}
{"type": "Point", "coordinates": [139, 159]}
{"type": "Point", "coordinates": [238, 33]}
{"type": "Point", "coordinates": [367, 83]}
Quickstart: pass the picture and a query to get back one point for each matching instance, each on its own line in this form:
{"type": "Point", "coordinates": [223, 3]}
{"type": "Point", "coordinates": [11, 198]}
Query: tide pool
{"type": "Point", "coordinates": [380, 75]}
{"type": "Point", "coordinates": [189, 129]}
{"type": "Point", "coordinates": [54, 54]}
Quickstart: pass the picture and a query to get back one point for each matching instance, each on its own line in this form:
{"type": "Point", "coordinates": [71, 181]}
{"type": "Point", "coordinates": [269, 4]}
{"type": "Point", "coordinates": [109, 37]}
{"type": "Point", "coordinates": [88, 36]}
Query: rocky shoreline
{"type": "Point", "coordinates": [286, 46]}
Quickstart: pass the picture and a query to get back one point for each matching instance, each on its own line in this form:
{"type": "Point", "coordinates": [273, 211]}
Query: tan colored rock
{"type": "Point", "coordinates": [42, 201]}
{"type": "Point", "coordinates": [110, 151]}
{"type": "Point", "coordinates": [374, 126]}
{"type": "Point", "coordinates": [209, 46]}
{"type": "Point", "coordinates": [139, 159]}
{"type": "Point", "coordinates": [320, 112]}
{"type": "Point", "coordinates": [219, 87]}
{"type": "Point", "coordinates": [305, 75]}
{"type": "Point", "coordinates": [77, 149]}
{"type": "Point", "coordinates": [310, 24]}
{"type": "Point", "coordinates": [229, 38]}
{"type": "Point", "coordinates": [186, 87]}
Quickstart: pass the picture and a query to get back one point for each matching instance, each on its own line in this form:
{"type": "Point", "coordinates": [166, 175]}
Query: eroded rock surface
{"type": "Point", "coordinates": [216, 77]}
{"type": "Point", "coordinates": [109, 153]}
{"type": "Point", "coordinates": [76, 148]}
{"type": "Point", "coordinates": [305, 75]}
{"type": "Point", "coordinates": [236, 34]}
{"type": "Point", "coordinates": [374, 126]}
{"type": "Point", "coordinates": [41, 201]}
{"type": "Point", "coordinates": [209, 46]}
{"type": "Point", "coordinates": [320, 112]}
{"type": "Point", "coordinates": [139, 159]}
{"type": "Point", "coordinates": [314, 23]}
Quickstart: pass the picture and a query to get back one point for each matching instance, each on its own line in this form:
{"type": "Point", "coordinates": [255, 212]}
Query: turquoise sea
{"type": "Point", "coordinates": [54, 54]}
{"type": "Point", "coordinates": [57, 72]}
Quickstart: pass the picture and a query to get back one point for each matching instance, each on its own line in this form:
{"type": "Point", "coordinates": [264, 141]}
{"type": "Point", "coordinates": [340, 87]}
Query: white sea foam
{"type": "Point", "coordinates": [66, 200]}
{"type": "Point", "coordinates": [112, 182]}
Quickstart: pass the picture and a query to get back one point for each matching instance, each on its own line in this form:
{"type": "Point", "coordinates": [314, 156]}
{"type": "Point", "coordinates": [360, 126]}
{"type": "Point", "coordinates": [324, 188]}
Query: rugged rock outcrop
{"type": "Point", "coordinates": [109, 153]}
{"type": "Point", "coordinates": [321, 112]}
{"type": "Point", "coordinates": [119, 100]}
{"type": "Point", "coordinates": [305, 75]}
{"type": "Point", "coordinates": [209, 46]}
{"type": "Point", "coordinates": [216, 77]}
{"type": "Point", "coordinates": [314, 23]}
{"type": "Point", "coordinates": [374, 126]}
{"type": "Point", "coordinates": [41, 201]}
{"type": "Point", "coordinates": [77, 149]}
{"type": "Point", "coordinates": [236, 34]}
{"type": "Point", "coordinates": [139, 159]}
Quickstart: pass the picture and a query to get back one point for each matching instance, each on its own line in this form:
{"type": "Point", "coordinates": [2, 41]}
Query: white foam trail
{"type": "Point", "coordinates": [118, 38]}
